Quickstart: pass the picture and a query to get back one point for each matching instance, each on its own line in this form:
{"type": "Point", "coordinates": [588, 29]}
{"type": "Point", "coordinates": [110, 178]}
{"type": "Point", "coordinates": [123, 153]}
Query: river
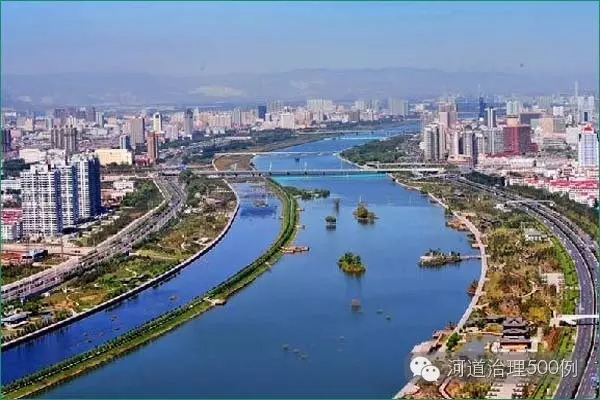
{"type": "Point", "coordinates": [304, 301]}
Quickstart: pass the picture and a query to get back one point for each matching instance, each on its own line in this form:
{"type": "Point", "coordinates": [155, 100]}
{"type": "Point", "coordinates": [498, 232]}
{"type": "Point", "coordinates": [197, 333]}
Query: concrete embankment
{"type": "Point", "coordinates": [132, 292]}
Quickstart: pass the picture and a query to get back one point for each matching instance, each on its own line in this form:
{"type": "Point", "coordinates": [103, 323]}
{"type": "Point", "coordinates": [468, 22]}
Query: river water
{"type": "Point", "coordinates": [304, 302]}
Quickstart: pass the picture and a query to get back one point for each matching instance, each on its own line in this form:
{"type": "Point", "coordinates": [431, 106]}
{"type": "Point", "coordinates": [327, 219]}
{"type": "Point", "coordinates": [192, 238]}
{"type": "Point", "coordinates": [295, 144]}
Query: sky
{"type": "Point", "coordinates": [205, 38]}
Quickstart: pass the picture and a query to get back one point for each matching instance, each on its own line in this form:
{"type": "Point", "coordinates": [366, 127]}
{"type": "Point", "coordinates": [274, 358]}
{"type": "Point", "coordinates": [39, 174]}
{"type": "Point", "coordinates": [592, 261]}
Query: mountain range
{"type": "Point", "coordinates": [126, 88]}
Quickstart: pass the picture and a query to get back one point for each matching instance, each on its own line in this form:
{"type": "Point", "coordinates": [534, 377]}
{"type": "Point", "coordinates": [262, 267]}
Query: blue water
{"type": "Point", "coordinates": [304, 301]}
{"type": "Point", "coordinates": [224, 260]}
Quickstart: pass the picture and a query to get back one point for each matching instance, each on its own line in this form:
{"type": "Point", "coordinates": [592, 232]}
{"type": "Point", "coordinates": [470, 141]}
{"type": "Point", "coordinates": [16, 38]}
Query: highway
{"type": "Point", "coordinates": [581, 384]}
{"type": "Point", "coordinates": [119, 243]}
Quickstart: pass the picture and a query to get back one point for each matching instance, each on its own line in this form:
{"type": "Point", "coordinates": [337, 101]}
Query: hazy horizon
{"type": "Point", "coordinates": [188, 39]}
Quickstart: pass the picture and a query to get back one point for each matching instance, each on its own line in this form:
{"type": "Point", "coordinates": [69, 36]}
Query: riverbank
{"type": "Point", "coordinates": [477, 234]}
{"type": "Point", "coordinates": [120, 298]}
{"type": "Point", "coordinates": [151, 330]}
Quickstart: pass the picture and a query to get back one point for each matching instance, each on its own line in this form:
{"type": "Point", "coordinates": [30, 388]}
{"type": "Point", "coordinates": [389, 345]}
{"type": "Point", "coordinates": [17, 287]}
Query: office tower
{"type": "Point", "coordinates": [136, 128]}
{"type": "Point", "coordinates": [157, 122]}
{"type": "Point", "coordinates": [6, 140]}
{"type": "Point", "coordinates": [188, 122]}
{"type": "Point", "coordinates": [87, 169]}
{"type": "Point", "coordinates": [513, 108]}
{"type": "Point", "coordinates": [587, 148]}
{"type": "Point", "coordinates": [152, 142]}
{"type": "Point", "coordinates": [431, 139]}
{"type": "Point", "coordinates": [41, 201]}
{"type": "Point", "coordinates": [60, 113]}
{"type": "Point", "coordinates": [481, 108]}
{"type": "Point", "coordinates": [262, 112]}
{"type": "Point", "coordinates": [90, 114]}
{"type": "Point", "coordinates": [490, 117]}
{"type": "Point", "coordinates": [125, 142]}
{"type": "Point", "coordinates": [517, 139]}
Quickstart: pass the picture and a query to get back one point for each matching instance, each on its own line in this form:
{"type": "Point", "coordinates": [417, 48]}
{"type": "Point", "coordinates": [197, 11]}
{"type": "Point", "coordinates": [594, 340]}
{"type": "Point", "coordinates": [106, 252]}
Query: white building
{"type": "Point", "coordinates": [41, 201]}
{"type": "Point", "coordinates": [587, 154]}
{"type": "Point", "coordinates": [431, 142]}
{"type": "Point", "coordinates": [32, 156]}
{"type": "Point", "coordinates": [287, 120]}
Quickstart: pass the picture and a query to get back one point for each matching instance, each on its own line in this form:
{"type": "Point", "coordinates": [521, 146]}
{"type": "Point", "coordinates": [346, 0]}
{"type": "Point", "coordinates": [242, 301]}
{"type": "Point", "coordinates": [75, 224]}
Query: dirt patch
{"type": "Point", "coordinates": [242, 162]}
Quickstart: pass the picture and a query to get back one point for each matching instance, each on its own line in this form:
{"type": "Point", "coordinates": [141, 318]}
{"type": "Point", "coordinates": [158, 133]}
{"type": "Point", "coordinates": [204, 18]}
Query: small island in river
{"type": "Point", "coordinates": [331, 222]}
{"type": "Point", "coordinates": [307, 194]}
{"type": "Point", "coordinates": [351, 264]}
{"type": "Point", "coordinates": [437, 258]}
{"type": "Point", "coordinates": [363, 214]}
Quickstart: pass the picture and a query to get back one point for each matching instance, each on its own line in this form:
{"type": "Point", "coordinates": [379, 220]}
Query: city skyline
{"type": "Point", "coordinates": [187, 39]}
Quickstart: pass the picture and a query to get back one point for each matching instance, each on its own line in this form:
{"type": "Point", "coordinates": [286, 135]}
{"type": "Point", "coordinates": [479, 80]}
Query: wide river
{"type": "Point", "coordinates": [304, 301]}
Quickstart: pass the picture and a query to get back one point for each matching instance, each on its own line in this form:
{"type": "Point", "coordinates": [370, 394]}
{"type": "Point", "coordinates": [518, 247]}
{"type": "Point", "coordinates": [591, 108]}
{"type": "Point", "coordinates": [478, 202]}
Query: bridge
{"type": "Point", "coordinates": [276, 153]}
{"type": "Point", "coordinates": [305, 172]}
{"type": "Point", "coordinates": [572, 319]}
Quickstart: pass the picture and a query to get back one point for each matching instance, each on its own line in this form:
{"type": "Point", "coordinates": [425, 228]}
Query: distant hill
{"type": "Point", "coordinates": [141, 88]}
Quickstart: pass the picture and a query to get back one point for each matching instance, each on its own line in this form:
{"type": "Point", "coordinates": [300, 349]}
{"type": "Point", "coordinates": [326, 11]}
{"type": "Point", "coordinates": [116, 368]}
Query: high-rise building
{"type": "Point", "coordinates": [236, 117]}
{"type": "Point", "coordinates": [90, 114]}
{"type": "Point", "coordinates": [317, 105]}
{"type": "Point", "coordinates": [125, 142]}
{"type": "Point", "coordinates": [513, 107]}
{"type": "Point", "coordinates": [87, 169]}
{"type": "Point", "coordinates": [287, 120]}
{"type": "Point", "coordinates": [70, 141]}
{"type": "Point", "coordinates": [136, 128]}
{"type": "Point", "coordinates": [41, 201]}
{"type": "Point", "coordinates": [157, 122]}
{"type": "Point", "coordinates": [490, 117]}
{"type": "Point", "coordinates": [6, 141]}
{"type": "Point", "coordinates": [517, 139]}
{"type": "Point", "coordinates": [69, 189]}
{"type": "Point", "coordinates": [431, 139]}
{"type": "Point", "coordinates": [587, 154]}
{"type": "Point", "coordinates": [360, 105]}
{"type": "Point", "coordinates": [482, 107]}
{"type": "Point", "coordinates": [262, 112]}
{"type": "Point", "coordinates": [398, 107]}
{"type": "Point", "coordinates": [100, 119]}
{"type": "Point", "coordinates": [274, 107]}
{"type": "Point", "coordinates": [152, 142]}
{"type": "Point", "coordinates": [188, 122]}
{"type": "Point", "coordinates": [64, 138]}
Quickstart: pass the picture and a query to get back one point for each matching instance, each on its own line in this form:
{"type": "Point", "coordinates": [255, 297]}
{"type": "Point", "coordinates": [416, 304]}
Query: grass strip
{"type": "Point", "coordinates": [146, 333]}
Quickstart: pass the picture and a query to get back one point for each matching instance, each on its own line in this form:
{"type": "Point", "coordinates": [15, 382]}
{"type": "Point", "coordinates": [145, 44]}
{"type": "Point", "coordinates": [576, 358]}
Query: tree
{"type": "Point", "coordinates": [453, 341]}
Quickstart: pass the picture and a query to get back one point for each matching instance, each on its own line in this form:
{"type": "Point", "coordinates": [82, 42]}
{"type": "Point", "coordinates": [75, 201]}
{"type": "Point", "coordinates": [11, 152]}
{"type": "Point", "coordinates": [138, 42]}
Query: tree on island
{"type": "Point", "coordinates": [351, 263]}
{"type": "Point", "coordinates": [362, 213]}
{"type": "Point", "coordinates": [331, 221]}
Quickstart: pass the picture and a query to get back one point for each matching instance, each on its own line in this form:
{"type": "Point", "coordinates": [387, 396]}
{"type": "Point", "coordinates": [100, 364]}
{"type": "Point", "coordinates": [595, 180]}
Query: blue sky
{"type": "Point", "coordinates": [192, 38]}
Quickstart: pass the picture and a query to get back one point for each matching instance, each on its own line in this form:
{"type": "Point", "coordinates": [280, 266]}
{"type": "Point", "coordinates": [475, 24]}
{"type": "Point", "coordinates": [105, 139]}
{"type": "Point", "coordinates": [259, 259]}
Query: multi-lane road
{"type": "Point", "coordinates": [121, 242]}
{"type": "Point", "coordinates": [580, 384]}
